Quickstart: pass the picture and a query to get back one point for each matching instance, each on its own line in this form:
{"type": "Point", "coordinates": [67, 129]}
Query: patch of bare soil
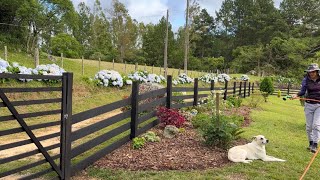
{"type": "Point", "coordinates": [183, 152]}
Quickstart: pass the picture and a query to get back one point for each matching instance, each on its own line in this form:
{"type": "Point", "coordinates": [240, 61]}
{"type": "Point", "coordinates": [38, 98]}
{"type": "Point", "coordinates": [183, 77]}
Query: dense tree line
{"type": "Point", "coordinates": [244, 35]}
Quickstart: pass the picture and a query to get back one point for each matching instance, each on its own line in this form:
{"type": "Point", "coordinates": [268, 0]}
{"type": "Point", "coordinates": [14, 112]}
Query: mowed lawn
{"type": "Point", "coordinates": [282, 122]}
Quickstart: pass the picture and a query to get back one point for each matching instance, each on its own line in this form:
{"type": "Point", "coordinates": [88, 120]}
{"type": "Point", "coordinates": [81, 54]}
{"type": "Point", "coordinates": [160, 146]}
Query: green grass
{"type": "Point", "coordinates": [282, 122]}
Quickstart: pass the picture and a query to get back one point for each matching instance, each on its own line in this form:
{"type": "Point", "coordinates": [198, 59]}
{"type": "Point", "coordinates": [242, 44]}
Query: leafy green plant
{"type": "Point", "coordinates": [138, 142]}
{"type": "Point", "coordinates": [200, 120]}
{"type": "Point", "coordinates": [255, 100]}
{"type": "Point", "coordinates": [279, 93]}
{"type": "Point", "coordinates": [266, 87]}
{"type": "Point", "coordinates": [234, 101]}
{"type": "Point", "coordinates": [151, 136]}
{"type": "Point", "coordinates": [220, 134]}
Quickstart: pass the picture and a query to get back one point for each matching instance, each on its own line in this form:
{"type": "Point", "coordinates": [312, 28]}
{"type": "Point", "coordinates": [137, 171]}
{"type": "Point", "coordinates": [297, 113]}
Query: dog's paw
{"type": "Point", "coordinates": [247, 161]}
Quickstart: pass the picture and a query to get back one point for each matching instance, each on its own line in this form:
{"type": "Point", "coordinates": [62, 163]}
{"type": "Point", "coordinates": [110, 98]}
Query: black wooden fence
{"type": "Point", "coordinates": [81, 146]}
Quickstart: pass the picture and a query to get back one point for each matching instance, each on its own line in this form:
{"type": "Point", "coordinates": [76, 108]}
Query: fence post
{"type": "Point", "coordinates": [99, 64]}
{"type": "Point", "coordinates": [244, 89]}
{"type": "Point", "coordinates": [195, 92]}
{"type": "Point", "coordinates": [134, 109]}
{"type": "Point", "coordinates": [212, 85]}
{"type": "Point", "coordinates": [65, 133]}
{"type": "Point", "coordinates": [288, 91]}
{"type": "Point", "coordinates": [112, 64]}
{"type": "Point", "coordinates": [169, 91]}
{"type": "Point", "coordinates": [234, 88]}
{"type": "Point", "coordinates": [82, 66]}
{"type": "Point", "coordinates": [5, 53]}
{"type": "Point", "coordinates": [252, 88]}
{"type": "Point", "coordinates": [61, 60]}
{"type": "Point", "coordinates": [136, 67]}
{"type": "Point", "coordinates": [240, 87]}
{"type": "Point", "coordinates": [225, 89]}
{"type": "Point", "coordinates": [249, 88]}
{"type": "Point", "coordinates": [36, 57]}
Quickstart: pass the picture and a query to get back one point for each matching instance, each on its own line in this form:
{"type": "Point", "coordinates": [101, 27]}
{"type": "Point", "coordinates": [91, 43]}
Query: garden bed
{"type": "Point", "coordinates": [183, 152]}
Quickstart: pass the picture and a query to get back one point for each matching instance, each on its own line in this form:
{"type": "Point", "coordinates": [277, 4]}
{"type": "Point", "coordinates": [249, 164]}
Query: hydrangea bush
{"type": "Point", "coordinates": [15, 68]}
{"type": "Point", "coordinates": [3, 66]}
{"type": "Point", "coordinates": [220, 78]}
{"type": "Point", "coordinates": [144, 77]}
{"type": "Point", "coordinates": [182, 79]}
{"type": "Point", "coordinates": [48, 69]}
{"type": "Point", "coordinates": [244, 78]}
{"type": "Point", "coordinates": [109, 78]}
{"type": "Point", "coordinates": [208, 78]}
{"type": "Point", "coordinates": [223, 77]}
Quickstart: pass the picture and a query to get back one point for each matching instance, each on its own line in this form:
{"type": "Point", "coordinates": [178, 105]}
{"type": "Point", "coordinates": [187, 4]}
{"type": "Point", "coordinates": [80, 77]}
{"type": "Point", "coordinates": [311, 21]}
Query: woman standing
{"type": "Point", "coordinates": [310, 88]}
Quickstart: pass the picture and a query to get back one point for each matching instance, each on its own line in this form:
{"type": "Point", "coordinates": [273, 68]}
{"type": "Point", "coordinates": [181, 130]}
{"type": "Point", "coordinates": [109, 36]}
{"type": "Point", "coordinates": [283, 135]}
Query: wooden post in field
{"type": "Point", "coordinates": [125, 67]}
{"type": "Point", "coordinates": [217, 108]}
{"type": "Point", "coordinates": [61, 60]}
{"type": "Point", "coordinates": [99, 64]}
{"type": "Point", "coordinates": [225, 89]}
{"type": "Point", "coordinates": [113, 64]}
{"type": "Point", "coordinates": [36, 57]}
{"type": "Point", "coordinates": [169, 91]}
{"type": "Point", "coordinates": [195, 92]}
{"type": "Point", "coordinates": [82, 66]}
{"type": "Point", "coordinates": [178, 71]}
{"type": "Point", "coordinates": [136, 67]}
{"type": "Point", "coordinates": [5, 53]}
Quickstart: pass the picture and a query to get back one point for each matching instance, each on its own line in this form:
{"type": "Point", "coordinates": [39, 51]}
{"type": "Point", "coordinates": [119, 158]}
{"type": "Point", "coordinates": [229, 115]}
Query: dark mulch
{"type": "Point", "coordinates": [183, 152]}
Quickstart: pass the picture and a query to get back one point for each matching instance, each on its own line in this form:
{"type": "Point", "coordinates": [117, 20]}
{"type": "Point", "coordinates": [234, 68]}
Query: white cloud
{"type": "Point", "coordinates": [147, 10]}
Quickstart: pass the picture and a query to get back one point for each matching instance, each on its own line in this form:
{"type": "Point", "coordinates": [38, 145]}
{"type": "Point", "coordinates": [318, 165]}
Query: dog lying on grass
{"type": "Point", "coordinates": [254, 150]}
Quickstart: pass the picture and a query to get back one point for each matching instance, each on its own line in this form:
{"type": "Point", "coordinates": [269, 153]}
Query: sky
{"type": "Point", "coordinates": [151, 11]}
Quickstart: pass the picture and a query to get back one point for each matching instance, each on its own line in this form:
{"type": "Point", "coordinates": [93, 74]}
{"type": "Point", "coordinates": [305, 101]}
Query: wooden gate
{"type": "Point", "coordinates": [56, 164]}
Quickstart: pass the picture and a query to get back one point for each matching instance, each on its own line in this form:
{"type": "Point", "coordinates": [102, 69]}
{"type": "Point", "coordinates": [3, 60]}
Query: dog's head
{"type": "Point", "coordinates": [260, 140]}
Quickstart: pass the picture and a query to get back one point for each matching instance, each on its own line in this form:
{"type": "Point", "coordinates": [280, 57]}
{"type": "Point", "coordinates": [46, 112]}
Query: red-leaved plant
{"type": "Point", "coordinates": [170, 117]}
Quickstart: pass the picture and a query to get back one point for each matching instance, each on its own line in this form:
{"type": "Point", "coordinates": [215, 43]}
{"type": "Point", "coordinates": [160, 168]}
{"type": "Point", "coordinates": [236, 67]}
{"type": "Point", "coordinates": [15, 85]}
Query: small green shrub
{"type": "Point", "coordinates": [138, 142]}
{"type": "Point", "coordinates": [151, 136]}
{"type": "Point", "coordinates": [200, 120]}
{"type": "Point", "coordinates": [279, 94]}
{"type": "Point", "coordinates": [220, 134]}
{"type": "Point", "coordinates": [234, 101]}
{"type": "Point", "coordinates": [267, 85]}
{"type": "Point", "coordinates": [255, 100]}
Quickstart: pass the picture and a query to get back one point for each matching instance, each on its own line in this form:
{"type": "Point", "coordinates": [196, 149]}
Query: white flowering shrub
{"type": "Point", "coordinates": [3, 66]}
{"type": "Point", "coordinates": [223, 77]}
{"type": "Point", "coordinates": [182, 79]}
{"type": "Point", "coordinates": [144, 77]}
{"type": "Point", "coordinates": [109, 78]}
{"type": "Point", "coordinates": [244, 78]}
{"type": "Point", "coordinates": [208, 78]}
{"type": "Point", "coordinates": [48, 69]}
{"type": "Point", "coordinates": [15, 68]}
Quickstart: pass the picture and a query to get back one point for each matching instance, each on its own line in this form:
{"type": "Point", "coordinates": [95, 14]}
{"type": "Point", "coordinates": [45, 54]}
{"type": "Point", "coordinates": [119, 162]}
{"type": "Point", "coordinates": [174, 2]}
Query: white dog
{"type": "Point", "coordinates": [254, 150]}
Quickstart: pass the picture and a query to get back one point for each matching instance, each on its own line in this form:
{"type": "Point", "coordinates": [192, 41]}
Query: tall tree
{"type": "Point", "coordinates": [203, 34]}
{"type": "Point", "coordinates": [303, 17]}
{"type": "Point", "coordinates": [124, 30]}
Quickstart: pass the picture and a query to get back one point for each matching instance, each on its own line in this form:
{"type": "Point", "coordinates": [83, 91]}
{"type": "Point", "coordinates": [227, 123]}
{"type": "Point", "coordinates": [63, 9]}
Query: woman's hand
{"type": "Point", "coordinates": [294, 96]}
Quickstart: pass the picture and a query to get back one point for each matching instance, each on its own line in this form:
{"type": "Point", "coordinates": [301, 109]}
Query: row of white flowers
{"type": "Point", "coordinates": [220, 78]}
{"type": "Point", "coordinates": [15, 68]}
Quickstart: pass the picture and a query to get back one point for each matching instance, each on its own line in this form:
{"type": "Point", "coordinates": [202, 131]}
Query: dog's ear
{"type": "Point", "coordinates": [254, 138]}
